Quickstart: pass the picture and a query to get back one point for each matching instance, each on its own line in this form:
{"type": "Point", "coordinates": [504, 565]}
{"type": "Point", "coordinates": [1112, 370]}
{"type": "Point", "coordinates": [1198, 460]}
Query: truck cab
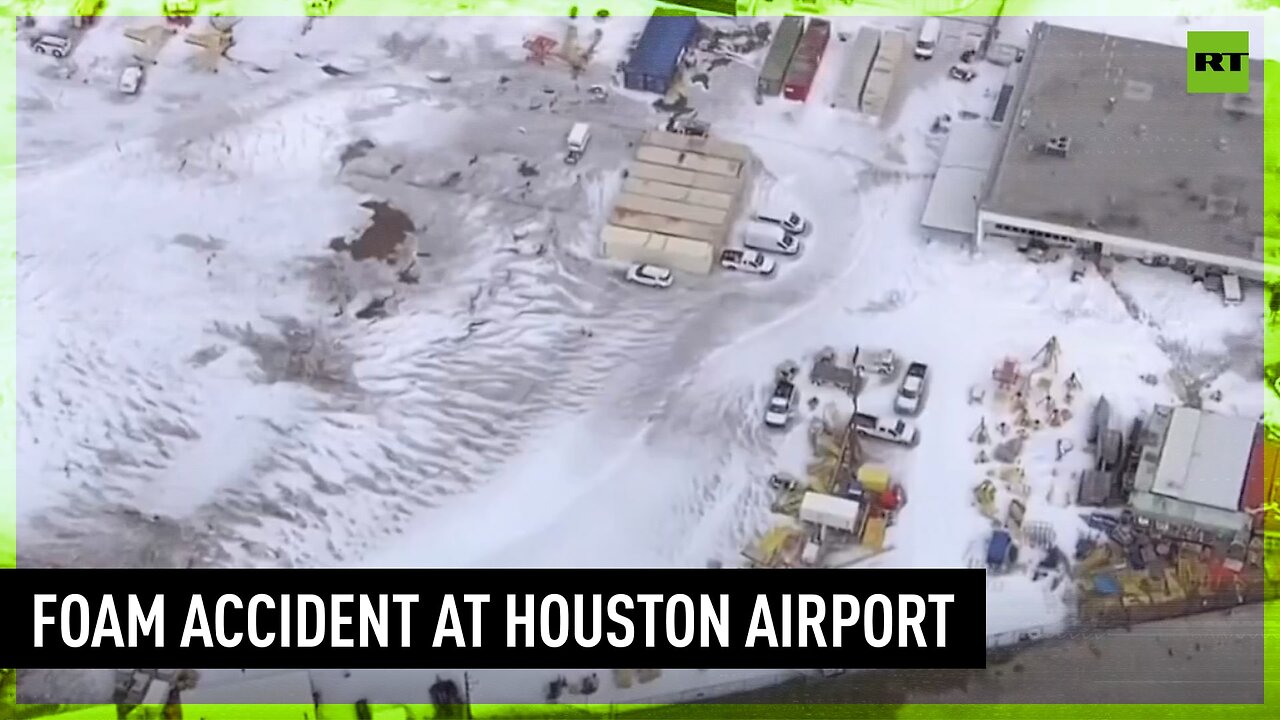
{"type": "Point", "coordinates": [577, 141]}
{"type": "Point", "coordinates": [927, 41]}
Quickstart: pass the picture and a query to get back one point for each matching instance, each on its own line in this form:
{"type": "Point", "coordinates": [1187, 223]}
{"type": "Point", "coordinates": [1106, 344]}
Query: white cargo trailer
{"type": "Point", "coordinates": [830, 511]}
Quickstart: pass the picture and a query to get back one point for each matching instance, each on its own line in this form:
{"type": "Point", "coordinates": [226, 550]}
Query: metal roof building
{"type": "Point", "coordinates": [678, 202]}
{"type": "Point", "coordinates": [958, 186]}
{"type": "Point", "coordinates": [653, 65]}
{"type": "Point", "coordinates": [1194, 469]}
{"type": "Point", "coordinates": [1104, 146]}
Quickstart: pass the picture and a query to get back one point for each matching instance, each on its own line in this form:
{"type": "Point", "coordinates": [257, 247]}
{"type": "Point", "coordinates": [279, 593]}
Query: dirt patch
{"type": "Point", "coordinates": [387, 229]}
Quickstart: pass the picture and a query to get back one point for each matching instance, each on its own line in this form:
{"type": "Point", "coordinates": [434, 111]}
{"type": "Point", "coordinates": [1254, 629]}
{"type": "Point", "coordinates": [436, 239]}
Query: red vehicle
{"type": "Point", "coordinates": [804, 65]}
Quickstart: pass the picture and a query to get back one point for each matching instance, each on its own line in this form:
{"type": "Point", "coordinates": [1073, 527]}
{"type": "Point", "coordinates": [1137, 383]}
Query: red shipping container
{"type": "Point", "coordinates": [1262, 488]}
{"type": "Point", "coordinates": [804, 65]}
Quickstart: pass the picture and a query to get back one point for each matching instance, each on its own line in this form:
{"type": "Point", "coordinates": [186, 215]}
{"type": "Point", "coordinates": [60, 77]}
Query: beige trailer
{"type": "Point", "coordinates": [638, 246]}
{"type": "Point", "coordinates": [678, 193]}
{"type": "Point", "coordinates": [710, 147]}
{"type": "Point", "coordinates": [689, 161]}
{"type": "Point", "coordinates": [666, 226]}
{"type": "Point", "coordinates": [884, 73]}
{"type": "Point", "coordinates": [677, 176]}
{"type": "Point", "coordinates": [672, 209]}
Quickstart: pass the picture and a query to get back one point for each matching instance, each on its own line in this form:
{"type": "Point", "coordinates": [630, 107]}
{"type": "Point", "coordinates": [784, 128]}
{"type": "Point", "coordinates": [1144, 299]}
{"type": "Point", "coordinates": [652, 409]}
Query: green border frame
{"type": "Point", "coordinates": [1048, 8]}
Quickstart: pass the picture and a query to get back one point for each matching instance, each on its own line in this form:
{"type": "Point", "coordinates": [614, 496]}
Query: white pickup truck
{"type": "Point", "coordinates": [748, 261]}
{"type": "Point", "coordinates": [894, 431]}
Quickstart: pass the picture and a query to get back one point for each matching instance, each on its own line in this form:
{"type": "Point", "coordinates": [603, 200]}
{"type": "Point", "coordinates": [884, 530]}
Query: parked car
{"type": "Point", "coordinates": [687, 125]}
{"type": "Point", "coordinates": [54, 45]}
{"type": "Point", "coordinates": [771, 239]}
{"type": "Point", "coordinates": [961, 73]}
{"type": "Point", "coordinates": [781, 403]}
{"type": "Point", "coordinates": [788, 221]}
{"type": "Point", "coordinates": [1232, 293]}
{"type": "Point", "coordinates": [911, 392]}
{"type": "Point", "coordinates": [130, 80]}
{"type": "Point", "coordinates": [894, 431]}
{"type": "Point", "coordinates": [783, 483]}
{"type": "Point", "coordinates": [650, 276]}
{"type": "Point", "coordinates": [749, 261]}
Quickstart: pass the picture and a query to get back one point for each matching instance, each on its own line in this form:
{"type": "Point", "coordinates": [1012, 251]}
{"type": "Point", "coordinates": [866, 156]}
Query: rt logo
{"type": "Point", "coordinates": [1217, 62]}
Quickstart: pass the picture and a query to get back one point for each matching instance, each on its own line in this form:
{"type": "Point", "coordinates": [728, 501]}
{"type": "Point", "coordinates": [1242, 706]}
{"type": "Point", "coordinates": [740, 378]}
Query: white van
{"type": "Point", "coordinates": [770, 239]}
{"type": "Point", "coordinates": [1232, 293]}
{"type": "Point", "coordinates": [927, 42]}
{"type": "Point", "coordinates": [579, 137]}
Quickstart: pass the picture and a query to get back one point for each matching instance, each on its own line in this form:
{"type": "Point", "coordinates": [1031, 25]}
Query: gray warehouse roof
{"type": "Point", "coordinates": [1145, 160]}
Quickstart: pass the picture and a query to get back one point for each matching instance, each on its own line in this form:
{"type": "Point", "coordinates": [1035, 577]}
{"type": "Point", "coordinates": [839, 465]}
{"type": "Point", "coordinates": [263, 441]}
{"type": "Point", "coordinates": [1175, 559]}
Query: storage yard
{"type": "Point", "coordinates": [491, 388]}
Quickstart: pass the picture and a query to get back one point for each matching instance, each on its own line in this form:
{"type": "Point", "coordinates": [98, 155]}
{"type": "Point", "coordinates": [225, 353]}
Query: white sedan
{"type": "Point", "coordinates": [650, 276]}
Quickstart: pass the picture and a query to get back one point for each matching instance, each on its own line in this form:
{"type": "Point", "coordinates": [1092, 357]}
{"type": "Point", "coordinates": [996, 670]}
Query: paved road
{"type": "Point", "coordinates": [1211, 658]}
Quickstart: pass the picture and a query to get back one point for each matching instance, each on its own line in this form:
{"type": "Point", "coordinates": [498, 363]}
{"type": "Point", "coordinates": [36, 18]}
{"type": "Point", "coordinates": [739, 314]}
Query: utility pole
{"type": "Point", "coordinates": [466, 692]}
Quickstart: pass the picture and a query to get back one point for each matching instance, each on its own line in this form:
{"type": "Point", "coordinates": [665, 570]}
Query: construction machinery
{"type": "Point", "coordinates": [568, 50]}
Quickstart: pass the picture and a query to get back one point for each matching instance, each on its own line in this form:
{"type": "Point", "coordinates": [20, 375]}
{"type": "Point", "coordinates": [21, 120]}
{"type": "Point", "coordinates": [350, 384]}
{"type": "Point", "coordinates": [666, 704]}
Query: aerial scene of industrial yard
{"type": "Point", "coordinates": [711, 285]}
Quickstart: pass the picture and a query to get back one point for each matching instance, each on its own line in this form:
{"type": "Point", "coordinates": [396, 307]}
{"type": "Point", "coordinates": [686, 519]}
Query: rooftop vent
{"type": "Point", "coordinates": [1058, 146]}
{"type": "Point", "coordinates": [1220, 205]}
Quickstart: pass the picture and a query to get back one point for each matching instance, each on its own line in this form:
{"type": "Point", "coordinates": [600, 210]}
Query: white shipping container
{"type": "Point", "coordinates": [830, 511]}
{"type": "Point", "coordinates": [689, 161]}
{"type": "Point", "coordinates": [705, 146]}
{"type": "Point", "coordinates": [677, 176]}
{"type": "Point", "coordinates": [666, 225]}
{"type": "Point", "coordinates": [884, 73]}
{"type": "Point", "coordinates": [677, 253]}
{"type": "Point", "coordinates": [857, 66]}
{"type": "Point", "coordinates": [678, 193]}
{"type": "Point", "coordinates": [672, 209]}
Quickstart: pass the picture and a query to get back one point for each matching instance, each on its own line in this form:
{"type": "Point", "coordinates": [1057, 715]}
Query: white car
{"type": "Point", "coordinates": [748, 261]}
{"type": "Point", "coordinates": [649, 276]}
{"type": "Point", "coordinates": [789, 221]}
{"type": "Point", "coordinates": [130, 80]}
{"type": "Point", "coordinates": [54, 45]}
{"type": "Point", "coordinates": [911, 392]}
{"type": "Point", "coordinates": [778, 413]}
{"type": "Point", "coordinates": [439, 76]}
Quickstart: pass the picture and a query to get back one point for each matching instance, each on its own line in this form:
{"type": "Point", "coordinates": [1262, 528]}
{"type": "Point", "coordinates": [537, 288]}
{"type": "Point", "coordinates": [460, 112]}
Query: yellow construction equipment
{"type": "Point", "coordinates": [985, 497]}
{"type": "Point", "coordinates": [873, 534]}
{"type": "Point", "coordinates": [874, 478]}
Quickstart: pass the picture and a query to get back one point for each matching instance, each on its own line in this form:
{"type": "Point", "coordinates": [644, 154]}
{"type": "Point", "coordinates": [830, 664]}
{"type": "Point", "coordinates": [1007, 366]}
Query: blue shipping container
{"type": "Point", "coordinates": [656, 59]}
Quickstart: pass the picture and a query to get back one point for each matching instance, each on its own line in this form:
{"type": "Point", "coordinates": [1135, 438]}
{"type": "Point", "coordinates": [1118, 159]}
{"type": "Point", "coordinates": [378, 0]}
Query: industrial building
{"type": "Point", "coordinates": [952, 207]}
{"type": "Point", "coordinates": [654, 63]}
{"type": "Point", "coordinates": [679, 201]}
{"type": "Point", "coordinates": [1192, 473]}
{"type": "Point", "coordinates": [1104, 148]}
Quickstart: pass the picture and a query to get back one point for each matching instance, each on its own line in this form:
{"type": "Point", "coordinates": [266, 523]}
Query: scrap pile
{"type": "Point", "coordinates": [1030, 404]}
{"type": "Point", "coordinates": [1128, 572]}
{"type": "Point", "coordinates": [843, 508]}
